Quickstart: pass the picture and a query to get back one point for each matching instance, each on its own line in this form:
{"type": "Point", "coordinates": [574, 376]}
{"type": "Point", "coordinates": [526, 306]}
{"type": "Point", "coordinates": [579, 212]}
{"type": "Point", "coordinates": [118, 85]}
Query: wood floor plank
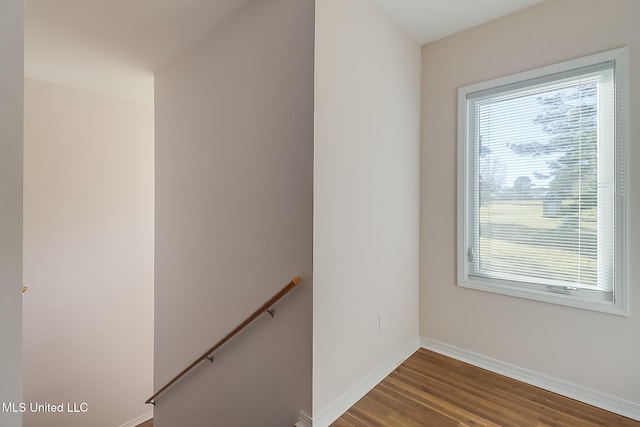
{"type": "Point", "coordinates": [441, 405]}
{"type": "Point", "coordinates": [526, 399]}
{"type": "Point", "coordinates": [433, 390]}
{"type": "Point", "coordinates": [404, 409]}
{"type": "Point", "coordinates": [469, 392]}
{"type": "Point", "coordinates": [463, 399]}
{"type": "Point", "coordinates": [148, 423]}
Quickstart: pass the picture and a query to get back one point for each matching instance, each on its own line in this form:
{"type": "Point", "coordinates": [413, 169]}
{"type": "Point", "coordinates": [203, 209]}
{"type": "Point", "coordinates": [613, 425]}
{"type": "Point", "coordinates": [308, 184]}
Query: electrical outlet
{"type": "Point", "coordinates": [381, 322]}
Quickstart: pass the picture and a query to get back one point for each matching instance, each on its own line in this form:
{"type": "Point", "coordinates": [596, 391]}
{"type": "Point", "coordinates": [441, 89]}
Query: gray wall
{"type": "Point", "coordinates": [591, 349]}
{"type": "Point", "coordinates": [234, 169]}
{"type": "Point", "coordinates": [11, 112]}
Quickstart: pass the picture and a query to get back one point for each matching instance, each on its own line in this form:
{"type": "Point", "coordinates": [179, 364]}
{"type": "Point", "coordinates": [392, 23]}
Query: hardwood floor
{"type": "Point", "coordinates": [148, 423]}
{"type": "Point", "coordinates": [432, 390]}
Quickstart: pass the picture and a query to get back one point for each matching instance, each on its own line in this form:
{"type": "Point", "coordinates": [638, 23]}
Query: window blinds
{"type": "Point", "coordinates": [542, 180]}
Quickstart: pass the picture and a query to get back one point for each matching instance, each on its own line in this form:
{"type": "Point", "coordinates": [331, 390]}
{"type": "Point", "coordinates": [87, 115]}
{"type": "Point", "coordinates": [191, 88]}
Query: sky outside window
{"type": "Point", "coordinates": [505, 121]}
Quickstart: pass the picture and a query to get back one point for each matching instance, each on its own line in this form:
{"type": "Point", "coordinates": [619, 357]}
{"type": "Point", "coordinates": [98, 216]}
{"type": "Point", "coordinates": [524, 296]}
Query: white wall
{"type": "Point", "coordinates": [234, 169]}
{"type": "Point", "coordinates": [11, 115]}
{"type": "Point", "coordinates": [88, 255]}
{"type": "Point", "coordinates": [595, 350]}
{"type": "Point", "coordinates": [366, 196]}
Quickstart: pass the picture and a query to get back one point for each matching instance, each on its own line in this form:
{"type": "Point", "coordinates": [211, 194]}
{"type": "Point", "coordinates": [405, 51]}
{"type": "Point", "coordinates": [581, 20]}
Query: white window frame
{"type": "Point", "coordinates": [614, 302]}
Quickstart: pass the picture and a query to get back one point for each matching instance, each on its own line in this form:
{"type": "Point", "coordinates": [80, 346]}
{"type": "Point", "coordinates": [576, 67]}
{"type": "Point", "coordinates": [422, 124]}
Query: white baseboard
{"type": "Point", "coordinates": [304, 420]}
{"type": "Point", "coordinates": [139, 420]}
{"type": "Point", "coordinates": [334, 410]}
{"type": "Point", "coordinates": [591, 397]}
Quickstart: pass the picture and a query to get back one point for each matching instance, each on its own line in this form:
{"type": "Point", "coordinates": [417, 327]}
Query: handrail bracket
{"type": "Point", "coordinates": [271, 311]}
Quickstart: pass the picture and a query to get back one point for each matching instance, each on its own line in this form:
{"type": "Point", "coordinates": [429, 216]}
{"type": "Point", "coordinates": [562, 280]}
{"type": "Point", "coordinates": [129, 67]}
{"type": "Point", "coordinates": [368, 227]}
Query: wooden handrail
{"type": "Point", "coordinates": [207, 354]}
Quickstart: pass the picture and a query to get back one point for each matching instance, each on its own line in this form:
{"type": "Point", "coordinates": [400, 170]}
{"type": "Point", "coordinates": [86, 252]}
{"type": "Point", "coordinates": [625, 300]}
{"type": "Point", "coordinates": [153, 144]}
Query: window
{"type": "Point", "coordinates": [541, 183]}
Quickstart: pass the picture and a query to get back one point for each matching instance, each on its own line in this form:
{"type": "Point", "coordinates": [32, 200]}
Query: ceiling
{"type": "Point", "coordinates": [430, 20]}
{"type": "Point", "coordinates": [115, 46]}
